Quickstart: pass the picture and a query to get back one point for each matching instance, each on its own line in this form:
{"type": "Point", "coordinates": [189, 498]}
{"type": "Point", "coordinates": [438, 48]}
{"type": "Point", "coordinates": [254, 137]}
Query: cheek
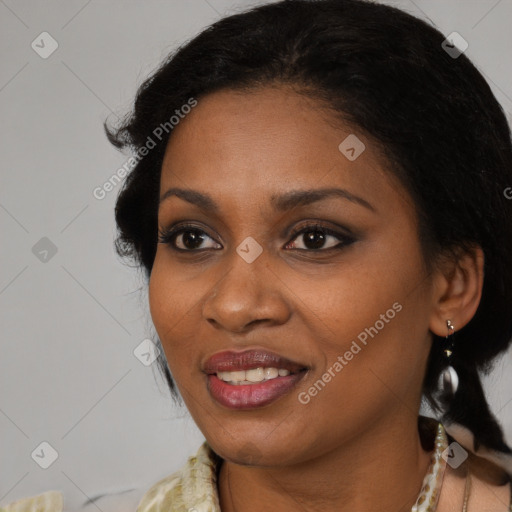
{"type": "Point", "coordinates": [368, 368]}
{"type": "Point", "coordinates": [169, 306]}
{"type": "Point", "coordinates": [374, 315]}
{"type": "Point", "coordinates": [362, 295]}
{"type": "Point", "coordinates": [160, 294]}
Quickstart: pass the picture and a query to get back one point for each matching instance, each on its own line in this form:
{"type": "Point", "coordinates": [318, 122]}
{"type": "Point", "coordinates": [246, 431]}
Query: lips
{"type": "Point", "coordinates": [230, 361]}
{"type": "Point", "coordinates": [251, 395]}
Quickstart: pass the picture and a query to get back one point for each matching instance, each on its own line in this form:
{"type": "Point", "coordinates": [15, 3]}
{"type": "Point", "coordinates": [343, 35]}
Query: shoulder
{"type": "Point", "coordinates": [163, 493]}
{"type": "Point", "coordinates": [192, 486]}
{"type": "Point", "coordinates": [50, 501]}
{"type": "Point", "coordinates": [489, 488]}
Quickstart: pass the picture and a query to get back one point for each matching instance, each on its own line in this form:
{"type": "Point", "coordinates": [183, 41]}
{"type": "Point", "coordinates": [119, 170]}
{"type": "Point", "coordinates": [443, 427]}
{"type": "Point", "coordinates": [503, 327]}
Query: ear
{"type": "Point", "coordinates": [457, 290]}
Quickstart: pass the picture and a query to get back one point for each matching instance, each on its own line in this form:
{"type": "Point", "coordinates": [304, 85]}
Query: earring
{"type": "Point", "coordinates": [449, 380]}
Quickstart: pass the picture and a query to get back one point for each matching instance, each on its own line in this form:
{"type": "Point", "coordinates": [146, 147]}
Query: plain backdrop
{"type": "Point", "coordinates": [72, 313]}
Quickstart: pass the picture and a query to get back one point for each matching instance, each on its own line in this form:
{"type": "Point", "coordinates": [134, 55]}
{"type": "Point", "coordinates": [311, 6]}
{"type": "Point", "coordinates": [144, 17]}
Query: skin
{"type": "Point", "coordinates": [308, 306]}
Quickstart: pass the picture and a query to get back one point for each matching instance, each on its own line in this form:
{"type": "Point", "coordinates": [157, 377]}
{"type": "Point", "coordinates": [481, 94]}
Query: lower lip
{"type": "Point", "coordinates": [250, 396]}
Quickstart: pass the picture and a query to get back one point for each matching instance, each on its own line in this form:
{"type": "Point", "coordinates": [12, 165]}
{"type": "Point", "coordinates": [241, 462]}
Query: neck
{"type": "Point", "coordinates": [382, 468]}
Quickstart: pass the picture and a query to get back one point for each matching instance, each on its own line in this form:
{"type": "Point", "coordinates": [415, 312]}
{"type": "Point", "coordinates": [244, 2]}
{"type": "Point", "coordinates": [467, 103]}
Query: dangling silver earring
{"type": "Point", "coordinates": [449, 380]}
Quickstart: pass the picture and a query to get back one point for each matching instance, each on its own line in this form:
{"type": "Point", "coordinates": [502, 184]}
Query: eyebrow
{"type": "Point", "coordinates": [280, 203]}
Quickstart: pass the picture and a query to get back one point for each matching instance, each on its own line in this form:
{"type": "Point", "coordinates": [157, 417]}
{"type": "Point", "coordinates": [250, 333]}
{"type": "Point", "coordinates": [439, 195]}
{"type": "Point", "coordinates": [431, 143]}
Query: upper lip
{"type": "Point", "coordinates": [229, 361]}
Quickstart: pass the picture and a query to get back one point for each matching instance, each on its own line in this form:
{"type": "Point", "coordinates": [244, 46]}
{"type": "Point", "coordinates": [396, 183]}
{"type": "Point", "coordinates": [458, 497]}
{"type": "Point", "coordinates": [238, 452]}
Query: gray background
{"type": "Point", "coordinates": [70, 324]}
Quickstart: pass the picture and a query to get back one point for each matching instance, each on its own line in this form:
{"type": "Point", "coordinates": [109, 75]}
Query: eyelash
{"type": "Point", "coordinates": [168, 236]}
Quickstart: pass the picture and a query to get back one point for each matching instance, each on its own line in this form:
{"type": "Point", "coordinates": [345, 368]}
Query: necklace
{"type": "Point", "coordinates": [467, 489]}
{"type": "Point", "coordinates": [432, 483]}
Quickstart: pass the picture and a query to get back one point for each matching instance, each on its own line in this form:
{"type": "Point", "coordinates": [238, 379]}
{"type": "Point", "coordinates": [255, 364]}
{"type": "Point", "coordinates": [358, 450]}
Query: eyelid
{"type": "Point", "coordinates": [324, 225]}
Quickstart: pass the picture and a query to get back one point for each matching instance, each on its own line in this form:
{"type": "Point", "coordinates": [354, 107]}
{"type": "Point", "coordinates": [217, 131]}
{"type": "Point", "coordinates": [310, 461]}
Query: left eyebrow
{"type": "Point", "coordinates": [303, 197]}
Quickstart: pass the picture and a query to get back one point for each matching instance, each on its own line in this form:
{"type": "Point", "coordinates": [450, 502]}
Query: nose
{"type": "Point", "coordinates": [246, 295]}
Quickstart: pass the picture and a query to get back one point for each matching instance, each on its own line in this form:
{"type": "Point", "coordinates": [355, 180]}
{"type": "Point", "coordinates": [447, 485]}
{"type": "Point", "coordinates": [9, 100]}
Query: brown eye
{"type": "Point", "coordinates": [190, 239]}
{"type": "Point", "coordinates": [184, 238]}
{"type": "Point", "coordinates": [316, 237]}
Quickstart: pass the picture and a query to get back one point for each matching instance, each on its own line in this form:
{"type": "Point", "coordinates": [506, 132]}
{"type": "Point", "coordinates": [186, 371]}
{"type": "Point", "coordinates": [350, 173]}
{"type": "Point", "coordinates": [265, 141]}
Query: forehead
{"type": "Point", "coordinates": [251, 145]}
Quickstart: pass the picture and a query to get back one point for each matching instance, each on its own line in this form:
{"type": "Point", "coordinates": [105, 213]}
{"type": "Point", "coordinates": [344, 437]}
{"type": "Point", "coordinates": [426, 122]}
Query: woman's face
{"type": "Point", "coordinates": [348, 300]}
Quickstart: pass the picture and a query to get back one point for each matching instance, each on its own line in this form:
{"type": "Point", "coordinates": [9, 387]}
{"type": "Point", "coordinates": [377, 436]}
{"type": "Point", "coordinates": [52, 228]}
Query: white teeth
{"type": "Point", "coordinates": [254, 375]}
{"type": "Point", "coordinates": [237, 376]}
{"type": "Point", "coordinates": [271, 373]}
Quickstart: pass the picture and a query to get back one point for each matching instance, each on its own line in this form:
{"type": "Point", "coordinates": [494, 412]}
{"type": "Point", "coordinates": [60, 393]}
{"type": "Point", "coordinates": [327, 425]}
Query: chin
{"type": "Point", "coordinates": [248, 453]}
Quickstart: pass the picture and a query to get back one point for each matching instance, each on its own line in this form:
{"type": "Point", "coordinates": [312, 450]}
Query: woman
{"type": "Point", "coordinates": [319, 204]}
